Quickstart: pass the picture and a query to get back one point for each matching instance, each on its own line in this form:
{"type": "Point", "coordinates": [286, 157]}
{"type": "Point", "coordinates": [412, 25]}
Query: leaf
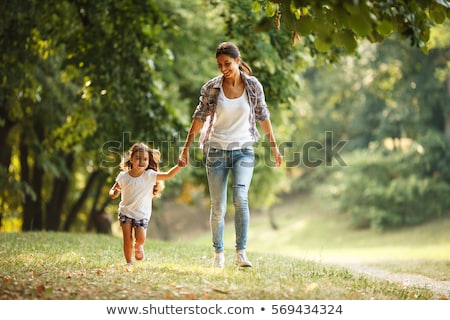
{"type": "Point", "coordinates": [360, 25]}
{"type": "Point", "coordinates": [437, 14]}
{"type": "Point", "coordinates": [346, 40]}
{"type": "Point", "coordinates": [40, 288]}
{"type": "Point", "coordinates": [385, 27]}
{"type": "Point", "coordinates": [256, 6]}
{"type": "Point", "coordinates": [305, 25]}
{"type": "Point", "coordinates": [271, 9]}
{"type": "Point", "coordinates": [322, 44]}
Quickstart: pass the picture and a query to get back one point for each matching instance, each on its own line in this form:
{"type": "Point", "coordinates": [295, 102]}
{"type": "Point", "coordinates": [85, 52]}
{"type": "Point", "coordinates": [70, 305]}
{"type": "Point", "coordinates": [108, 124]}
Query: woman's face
{"type": "Point", "coordinates": [228, 65]}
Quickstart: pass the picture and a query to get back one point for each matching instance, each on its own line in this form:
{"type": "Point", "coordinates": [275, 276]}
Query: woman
{"type": "Point", "coordinates": [230, 105]}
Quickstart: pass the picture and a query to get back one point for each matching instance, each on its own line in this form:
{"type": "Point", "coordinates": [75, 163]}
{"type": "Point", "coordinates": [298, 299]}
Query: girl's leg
{"type": "Point", "coordinates": [127, 231]}
{"type": "Point", "coordinates": [140, 235]}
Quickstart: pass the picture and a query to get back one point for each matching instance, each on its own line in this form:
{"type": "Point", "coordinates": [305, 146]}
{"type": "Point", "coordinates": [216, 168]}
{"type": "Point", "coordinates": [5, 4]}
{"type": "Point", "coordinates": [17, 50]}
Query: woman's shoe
{"type": "Point", "coordinates": [242, 260]}
{"type": "Point", "coordinates": [219, 260]}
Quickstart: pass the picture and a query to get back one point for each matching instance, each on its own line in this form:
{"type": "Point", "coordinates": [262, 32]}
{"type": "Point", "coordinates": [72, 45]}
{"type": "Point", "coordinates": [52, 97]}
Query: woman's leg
{"type": "Point", "coordinates": [242, 173]}
{"type": "Point", "coordinates": [217, 173]}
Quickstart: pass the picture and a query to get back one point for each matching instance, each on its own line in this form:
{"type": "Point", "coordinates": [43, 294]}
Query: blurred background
{"type": "Point", "coordinates": [358, 92]}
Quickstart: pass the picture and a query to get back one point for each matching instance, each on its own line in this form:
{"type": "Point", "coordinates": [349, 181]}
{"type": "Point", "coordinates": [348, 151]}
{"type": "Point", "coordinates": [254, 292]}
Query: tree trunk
{"type": "Point", "coordinates": [447, 115]}
{"type": "Point", "coordinates": [71, 217]}
{"type": "Point", "coordinates": [32, 214]}
{"type": "Point", "coordinates": [5, 154]}
{"type": "Point", "coordinates": [98, 218]}
{"type": "Point", "coordinates": [61, 187]}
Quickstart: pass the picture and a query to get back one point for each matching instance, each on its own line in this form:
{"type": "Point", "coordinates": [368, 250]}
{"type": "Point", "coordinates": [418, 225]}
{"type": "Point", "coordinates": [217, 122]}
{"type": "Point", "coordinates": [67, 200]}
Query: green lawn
{"type": "Point", "coordinates": [90, 266]}
{"type": "Point", "coordinates": [310, 227]}
{"type": "Point", "coordinates": [289, 262]}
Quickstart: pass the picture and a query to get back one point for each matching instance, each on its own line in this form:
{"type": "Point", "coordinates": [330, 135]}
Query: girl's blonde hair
{"type": "Point", "coordinates": [154, 158]}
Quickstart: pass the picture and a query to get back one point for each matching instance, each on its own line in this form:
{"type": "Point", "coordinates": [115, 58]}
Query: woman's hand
{"type": "Point", "coordinates": [183, 160]}
{"type": "Point", "coordinates": [278, 157]}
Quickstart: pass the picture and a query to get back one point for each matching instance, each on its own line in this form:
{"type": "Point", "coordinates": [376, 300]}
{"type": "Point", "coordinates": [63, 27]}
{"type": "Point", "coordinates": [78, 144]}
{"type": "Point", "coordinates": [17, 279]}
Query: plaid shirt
{"type": "Point", "coordinates": [209, 93]}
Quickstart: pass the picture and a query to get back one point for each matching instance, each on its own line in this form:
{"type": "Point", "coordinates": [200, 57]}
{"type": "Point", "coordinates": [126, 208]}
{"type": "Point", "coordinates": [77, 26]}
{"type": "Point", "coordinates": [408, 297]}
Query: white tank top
{"type": "Point", "coordinates": [232, 126]}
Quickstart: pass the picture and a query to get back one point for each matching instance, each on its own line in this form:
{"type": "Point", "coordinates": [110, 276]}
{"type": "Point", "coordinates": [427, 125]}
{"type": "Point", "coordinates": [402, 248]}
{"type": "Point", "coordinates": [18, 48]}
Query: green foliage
{"type": "Point", "coordinates": [332, 28]}
{"type": "Point", "coordinates": [77, 76]}
{"type": "Point", "coordinates": [80, 81]}
{"type": "Point", "coordinates": [389, 190]}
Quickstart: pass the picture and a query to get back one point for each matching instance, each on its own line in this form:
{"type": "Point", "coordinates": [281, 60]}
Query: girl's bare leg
{"type": "Point", "coordinates": [127, 231]}
{"type": "Point", "coordinates": [140, 234]}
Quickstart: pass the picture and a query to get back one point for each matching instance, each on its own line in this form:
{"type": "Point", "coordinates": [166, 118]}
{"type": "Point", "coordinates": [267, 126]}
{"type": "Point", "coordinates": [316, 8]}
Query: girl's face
{"type": "Point", "coordinates": [227, 65]}
{"type": "Point", "coordinates": [140, 160]}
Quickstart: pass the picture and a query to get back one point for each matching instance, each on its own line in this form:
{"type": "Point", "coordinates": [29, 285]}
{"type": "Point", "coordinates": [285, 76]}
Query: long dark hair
{"type": "Point", "coordinates": [230, 49]}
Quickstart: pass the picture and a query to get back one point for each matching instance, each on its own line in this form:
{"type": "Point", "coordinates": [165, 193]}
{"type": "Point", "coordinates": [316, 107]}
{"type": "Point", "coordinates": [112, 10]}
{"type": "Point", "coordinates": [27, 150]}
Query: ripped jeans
{"type": "Point", "coordinates": [218, 165]}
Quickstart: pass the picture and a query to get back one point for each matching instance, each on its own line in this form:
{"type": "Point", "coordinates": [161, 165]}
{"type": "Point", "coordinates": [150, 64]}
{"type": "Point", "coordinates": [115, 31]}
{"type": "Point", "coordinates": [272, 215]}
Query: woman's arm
{"type": "Point", "coordinates": [196, 125]}
{"type": "Point", "coordinates": [266, 125]}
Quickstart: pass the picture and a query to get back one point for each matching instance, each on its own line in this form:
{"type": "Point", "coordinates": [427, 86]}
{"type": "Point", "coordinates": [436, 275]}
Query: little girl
{"type": "Point", "coordinates": [138, 182]}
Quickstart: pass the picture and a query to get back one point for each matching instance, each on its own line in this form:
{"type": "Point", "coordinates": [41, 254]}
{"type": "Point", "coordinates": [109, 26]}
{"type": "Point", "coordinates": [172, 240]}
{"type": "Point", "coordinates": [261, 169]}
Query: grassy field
{"type": "Point", "coordinates": [314, 229]}
{"type": "Point", "coordinates": [289, 262]}
{"type": "Point", "coordinates": [89, 266]}
{"type": "Point", "coordinates": [302, 258]}
{"type": "Point", "coordinates": [310, 228]}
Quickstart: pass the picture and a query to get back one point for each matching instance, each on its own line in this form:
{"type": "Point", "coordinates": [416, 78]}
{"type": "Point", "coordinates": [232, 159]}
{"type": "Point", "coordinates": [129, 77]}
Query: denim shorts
{"type": "Point", "coordinates": [141, 223]}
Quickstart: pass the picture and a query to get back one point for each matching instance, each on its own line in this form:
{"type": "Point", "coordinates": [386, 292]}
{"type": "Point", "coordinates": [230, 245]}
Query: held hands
{"type": "Point", "coordinates": [183, 160]}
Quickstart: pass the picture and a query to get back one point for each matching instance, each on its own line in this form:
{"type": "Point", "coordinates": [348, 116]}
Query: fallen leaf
{"type": "Point", "coordinates": [40, 288]}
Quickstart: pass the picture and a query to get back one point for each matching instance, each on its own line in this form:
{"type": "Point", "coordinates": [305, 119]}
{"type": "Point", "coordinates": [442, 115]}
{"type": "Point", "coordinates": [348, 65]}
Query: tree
{"type": "Point", "coordinates": [76, 76]}
{"type": "Point", "coordinates": [82, 80]}
{"type": "Point", "coordinates": [333, 27]}
{"type": "Point", "coordinates": [391, 104]}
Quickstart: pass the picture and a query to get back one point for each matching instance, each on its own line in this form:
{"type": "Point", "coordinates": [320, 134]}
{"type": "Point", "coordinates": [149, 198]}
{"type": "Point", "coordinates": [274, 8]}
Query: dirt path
{"type": "Point", "coordinates": [408, 280]}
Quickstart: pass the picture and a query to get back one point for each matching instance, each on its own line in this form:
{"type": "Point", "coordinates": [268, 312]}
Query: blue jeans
{"type": "Point", "coordinates": [218, 165]}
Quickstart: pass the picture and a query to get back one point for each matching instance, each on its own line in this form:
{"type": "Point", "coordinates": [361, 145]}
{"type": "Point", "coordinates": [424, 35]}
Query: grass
{"type": "Point", "coordinates": [289, 262]}
{"type": "Point", "coordinates": [89, 266]}
{"type": "Point", "coordinates": [313, 229]}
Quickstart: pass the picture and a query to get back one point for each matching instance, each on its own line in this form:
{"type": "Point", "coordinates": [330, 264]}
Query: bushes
{"type": "Point", "coordinates": [384, 189]}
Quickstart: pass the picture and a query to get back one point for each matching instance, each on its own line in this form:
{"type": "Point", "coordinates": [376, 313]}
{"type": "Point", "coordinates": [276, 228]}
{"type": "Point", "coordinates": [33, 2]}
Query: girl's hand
{"type": "Point", "coordinates": [114, 192]}
{"type": "Point", "coordinates": [183, 160]}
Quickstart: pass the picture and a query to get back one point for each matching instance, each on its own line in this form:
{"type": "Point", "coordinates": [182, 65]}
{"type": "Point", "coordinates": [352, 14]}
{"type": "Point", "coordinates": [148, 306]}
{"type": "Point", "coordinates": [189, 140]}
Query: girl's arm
{"type": "Point", "coordinates": [168, 174]}
{"type": "Point", "coordinates": [114, 192]}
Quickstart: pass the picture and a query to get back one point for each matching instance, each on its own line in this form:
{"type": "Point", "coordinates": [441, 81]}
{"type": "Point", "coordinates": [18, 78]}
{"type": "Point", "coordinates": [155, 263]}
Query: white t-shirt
{"type": "Point", "coordinates": [232, 126]}
{"type": "Point", "coordinates": [136, 194]}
